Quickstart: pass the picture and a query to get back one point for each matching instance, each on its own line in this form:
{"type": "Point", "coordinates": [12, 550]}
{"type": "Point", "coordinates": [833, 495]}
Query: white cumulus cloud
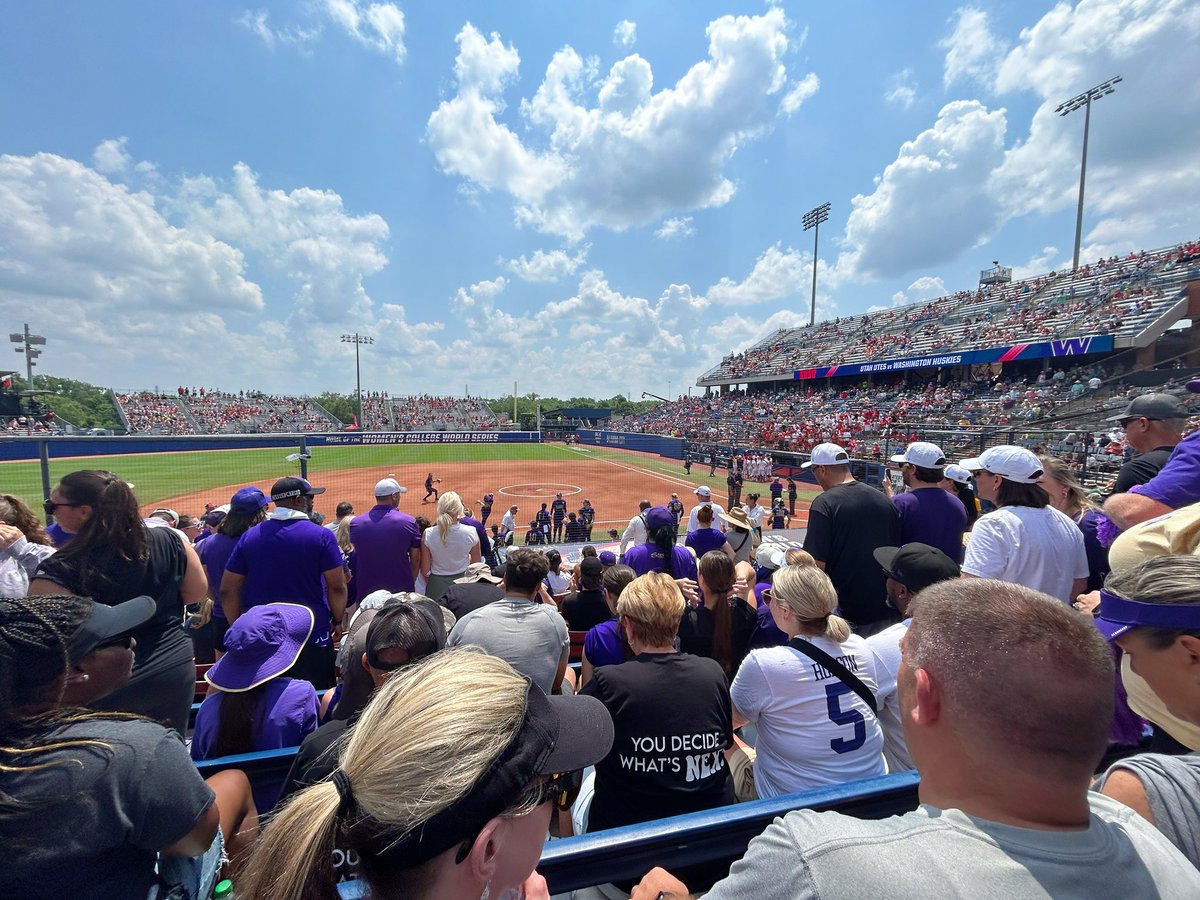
{"type": "Point", "coordinates": [630, 157]}
{"type": "Point", "coordinates": [901, 89]}
{"type": "Point", "coordinates": [927, 287]}
{"type": "Point", "coordinates": [798, 92]}
{"type": "Point", "coordinates": [379, 26]}
{"type": "Point", "coordinates": [675, 227]}
{"type": "Point", "coordinates": [777, 274]}
{"type": "Point", "coordinates": [625, 34]}
{"type": "Point", "coordinates": [547, 265]}
{"type": "Point", "coordinates": [972, 50]}
{"type": "Point", "coordinates": [931, 203]}
{"type": "Point", "coordinates": [111, 157]}
{"type": "Point", "coordinates": [258, 23]}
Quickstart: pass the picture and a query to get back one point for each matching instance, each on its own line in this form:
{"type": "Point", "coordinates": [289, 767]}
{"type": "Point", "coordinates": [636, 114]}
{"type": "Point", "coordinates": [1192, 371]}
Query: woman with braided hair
{"type": "Point", "coordinates": [113, 556]}
{"type": "Point", "coordinates": [100, 805]}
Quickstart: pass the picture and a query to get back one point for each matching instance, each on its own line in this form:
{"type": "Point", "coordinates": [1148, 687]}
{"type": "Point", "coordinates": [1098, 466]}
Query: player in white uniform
{"type": "Point", "coordinates": [813, 729]}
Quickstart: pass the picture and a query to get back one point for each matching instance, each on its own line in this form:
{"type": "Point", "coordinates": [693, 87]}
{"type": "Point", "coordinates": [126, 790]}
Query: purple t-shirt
{"type": "Point", "coordinates": [288, 713]}
{"type": "Point", "coordinates": [382, 538]}
{"type": "Point", "coordinates": [1178, 482]}
{"type": "Point", "coordinates": [648, 558]}
{"type": "Point", "coordinates": [214, 554]}
{"type": "Point", "coordinates": [704, 539]}
{"type": "Point", "coordinates": [602, 644]}
{"type": "Point", "coordinates": [766, 633]}
{"type": "Point", "coordinates": [284, 560]}
{"type": "Point", "coordinates": [935, 517]}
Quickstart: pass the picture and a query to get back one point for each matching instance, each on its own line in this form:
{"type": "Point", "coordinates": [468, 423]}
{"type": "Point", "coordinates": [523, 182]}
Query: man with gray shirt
{"type": "Point", "coordinates": [530, 636]}
{"type": "Point", "coordinates": [1006, 700]}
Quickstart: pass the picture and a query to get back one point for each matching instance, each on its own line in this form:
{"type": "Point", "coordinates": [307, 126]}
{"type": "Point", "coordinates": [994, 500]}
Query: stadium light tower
{"type": "Point", "coordinates": [1084, 100]}
{"type": "Point", "coordinates": [28, 342]}
{"type": "Point", "coordinates": [813, 219]}
{"type": "Point", "coordinates": [358, 340]}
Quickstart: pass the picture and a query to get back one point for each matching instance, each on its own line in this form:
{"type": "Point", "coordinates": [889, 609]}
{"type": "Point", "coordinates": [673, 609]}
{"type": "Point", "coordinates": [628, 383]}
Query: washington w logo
{"type": "Point", "coordinates": [1070, 347]}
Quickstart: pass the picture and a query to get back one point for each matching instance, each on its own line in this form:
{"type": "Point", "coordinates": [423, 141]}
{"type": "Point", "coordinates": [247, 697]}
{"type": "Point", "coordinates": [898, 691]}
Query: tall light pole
{"type": "Point", "coordinates": [358, 340]}
{"type": "Point", "coordinates": [1084, 100]}
{"type": "Point", "coordinates": [28, 342]}
{"type": "Point", "coordinates": [813, 219]}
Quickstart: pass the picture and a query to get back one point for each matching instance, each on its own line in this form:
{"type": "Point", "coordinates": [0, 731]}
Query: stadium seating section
{"type": "Point", "coordinates": [201, 411]}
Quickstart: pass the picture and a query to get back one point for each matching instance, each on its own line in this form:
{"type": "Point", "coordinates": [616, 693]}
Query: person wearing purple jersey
{"type": "Point", "coordinates": [558, 512]}
{"type": "Point", "coordinates": [542, 517]}
{"type": "Point", "coordinates": [247, 508]}
{"type": "Point", "coordinates": [292, 559]}
{"type": "Point", "coordinates": [485, 507]}
{"type": "Point", "coordinates": [660, 553]}
{"type": "Point", "coordinates": [485, 544]}
{"type": "Point", "coordinates": [387, 544]}
{"type": "Point", "coordinates": [928, 514]}
{"type": "Point", "coordinates": [587, 518]}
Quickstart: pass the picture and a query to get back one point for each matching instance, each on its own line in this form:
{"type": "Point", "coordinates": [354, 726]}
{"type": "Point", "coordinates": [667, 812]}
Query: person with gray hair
{"type": "Point", "coordinates": [1006, 699]}
{"type": "Point", "coordinates": [1152, 612]}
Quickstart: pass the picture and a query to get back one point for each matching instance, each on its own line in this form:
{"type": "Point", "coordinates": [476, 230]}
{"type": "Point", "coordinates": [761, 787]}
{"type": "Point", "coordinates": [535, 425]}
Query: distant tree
{"type": "Point", "coordinates": [343, 407]}
{"type": "Point", "coordinates": [82, 404]}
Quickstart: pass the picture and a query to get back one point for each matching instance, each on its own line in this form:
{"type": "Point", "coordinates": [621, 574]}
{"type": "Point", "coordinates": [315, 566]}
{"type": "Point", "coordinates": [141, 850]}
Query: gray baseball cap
{"type": "Point", "coordinates": [1152, 406]}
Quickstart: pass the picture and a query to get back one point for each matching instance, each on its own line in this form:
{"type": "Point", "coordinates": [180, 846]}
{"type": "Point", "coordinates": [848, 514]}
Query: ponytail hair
{"type": "Point", "coordinates": [115, 526]}
{"type": "Point", "coordinates": [664, 540]}
{"type": "Point", "coordinates": [427, 736]}
{"type": "Point", "coordinates": [717, 574]}
{"type": "Point", "coordinates": [450, 510]}
{"type": "Point", "coordinates": [810, 596]}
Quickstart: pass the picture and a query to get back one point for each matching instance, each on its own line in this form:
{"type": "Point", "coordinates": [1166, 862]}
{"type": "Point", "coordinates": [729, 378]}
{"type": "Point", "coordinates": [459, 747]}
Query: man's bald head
{"type": "Point", "coordinates": [1026, 679]}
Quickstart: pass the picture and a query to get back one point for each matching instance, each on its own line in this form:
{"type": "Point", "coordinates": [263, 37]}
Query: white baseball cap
{"type": "Point", "coordinates": [955, 472]}
{"type": "Point", "coordinates": [703, 491]}
{"type": "Point", "coordinates": [771, 556]}
{"type": "Point", "coordinates": [827, 455]}
{"type": "Point", "coordinates": [923, 454]}
{"type": "Point", "coordinates": [1014, 463]}
{"type": "Point", "coordinates": [389, 486]}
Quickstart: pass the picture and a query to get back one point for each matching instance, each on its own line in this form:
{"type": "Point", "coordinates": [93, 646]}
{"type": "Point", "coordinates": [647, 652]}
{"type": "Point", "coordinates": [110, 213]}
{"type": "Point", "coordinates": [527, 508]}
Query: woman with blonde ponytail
{"type": "Point", "coordinates": [813, 729]}
{"type": "Point", "coordinates": [444, 789]}
{"type": "Point", "coordinates": [448, 549]}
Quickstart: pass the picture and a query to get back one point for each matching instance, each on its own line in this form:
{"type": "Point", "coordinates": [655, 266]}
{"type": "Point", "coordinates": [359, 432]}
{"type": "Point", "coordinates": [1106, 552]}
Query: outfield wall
{"type": "Point", "coordinates": [28, 447]}
{"type": "Point", "coordinates": [670, 447]}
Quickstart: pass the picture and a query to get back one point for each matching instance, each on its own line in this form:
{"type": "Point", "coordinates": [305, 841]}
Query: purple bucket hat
{"type": "Point", "coordinates": [262, 644]}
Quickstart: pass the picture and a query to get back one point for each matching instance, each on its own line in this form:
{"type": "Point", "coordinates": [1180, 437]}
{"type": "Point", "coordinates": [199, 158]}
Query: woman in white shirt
{"type": "Point", "coordinates": [448, 548]}
{"type": "Point", "coordinates": [23, 545]}
{"type": "Point", "coordinates": [1024, 540]}
{"type": "Point", "coordinates": [813, 729]}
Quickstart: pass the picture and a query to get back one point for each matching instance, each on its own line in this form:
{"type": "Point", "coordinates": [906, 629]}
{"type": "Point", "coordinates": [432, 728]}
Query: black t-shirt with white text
{"type": "Point", "coordinates": [672, 721]}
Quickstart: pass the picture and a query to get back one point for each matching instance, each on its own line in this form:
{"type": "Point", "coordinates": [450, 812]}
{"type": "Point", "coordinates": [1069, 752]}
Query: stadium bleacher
{"type": "Point", "coordinates": [1118, 297]}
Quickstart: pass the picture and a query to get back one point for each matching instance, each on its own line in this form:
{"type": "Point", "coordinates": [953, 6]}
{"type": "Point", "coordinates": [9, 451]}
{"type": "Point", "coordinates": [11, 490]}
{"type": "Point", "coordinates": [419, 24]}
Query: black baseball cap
{"type": "Point", "coordinates": [291, 486]}
{"type": "Point", "coordinates": [1152, 406]}
{"type": "Point", "coordinates": [916, 565]}
{"type": "Point", "coordinates": [104, 623]}
{"type": "Point", "coordinates": [557, 734]}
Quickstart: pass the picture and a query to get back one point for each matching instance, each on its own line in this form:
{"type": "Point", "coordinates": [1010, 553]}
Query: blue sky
{"type": "Point", "coordinates": [584, 197]}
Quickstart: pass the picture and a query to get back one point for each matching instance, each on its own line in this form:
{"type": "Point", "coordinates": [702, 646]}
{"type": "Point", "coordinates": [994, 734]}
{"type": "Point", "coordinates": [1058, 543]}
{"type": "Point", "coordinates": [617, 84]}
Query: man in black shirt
{"type": "Point", "coordinates": [846, 524]}
{"type": "Point", "coordinates": [587, 607]}
{"type": "Point", "coordinates": [477, 588]}
{"type": "Point", "coordinates": [401, 633]}
{"type": "Point", "coordinates": [1153, 425]}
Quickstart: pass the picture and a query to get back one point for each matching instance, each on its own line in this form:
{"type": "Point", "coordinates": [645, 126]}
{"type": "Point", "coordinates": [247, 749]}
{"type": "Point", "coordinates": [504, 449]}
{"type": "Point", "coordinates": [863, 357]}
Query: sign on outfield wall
{"type": "Point", "coordinates": [428, 437]}
{"type": "Point", "coordinates": [1065, 347]}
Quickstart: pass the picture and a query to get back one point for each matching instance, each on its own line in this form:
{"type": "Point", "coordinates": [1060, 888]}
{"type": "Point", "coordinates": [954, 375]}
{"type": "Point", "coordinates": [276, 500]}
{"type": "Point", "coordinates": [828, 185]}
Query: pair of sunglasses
{"type": "Point", "coordinates": [125, 641]}
{"type": "Point", "coordinates": [561, 789]}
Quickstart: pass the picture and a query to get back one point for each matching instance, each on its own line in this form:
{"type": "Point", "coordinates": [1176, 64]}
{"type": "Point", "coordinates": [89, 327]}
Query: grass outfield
{"type": "Point", "coordinates": [160, 475]}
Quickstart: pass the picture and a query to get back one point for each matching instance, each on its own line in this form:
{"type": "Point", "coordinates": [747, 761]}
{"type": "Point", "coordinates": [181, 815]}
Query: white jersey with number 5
{"type": "Point", "coordinates": [813, 730]}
